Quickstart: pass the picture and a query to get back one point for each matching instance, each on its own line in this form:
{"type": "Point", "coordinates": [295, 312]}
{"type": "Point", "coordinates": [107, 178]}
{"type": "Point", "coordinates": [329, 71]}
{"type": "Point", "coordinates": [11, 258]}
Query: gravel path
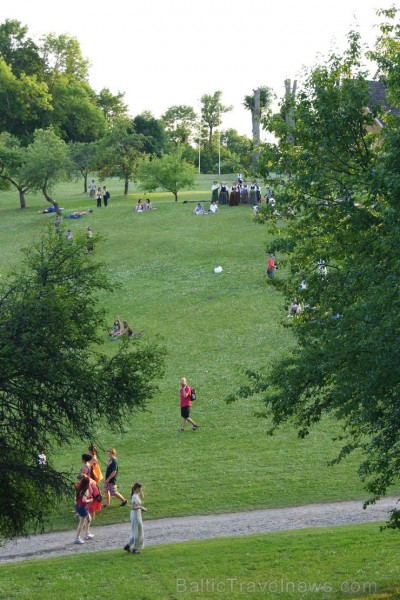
{"type": "Point", "coordinates": [179, 529]}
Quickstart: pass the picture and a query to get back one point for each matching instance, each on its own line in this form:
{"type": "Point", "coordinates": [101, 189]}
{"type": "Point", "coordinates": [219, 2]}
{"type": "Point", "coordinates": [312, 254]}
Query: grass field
{"type": "Point", "coordinates": [329, 563]}
{"type": "Point", "coordinates": [213, 326]}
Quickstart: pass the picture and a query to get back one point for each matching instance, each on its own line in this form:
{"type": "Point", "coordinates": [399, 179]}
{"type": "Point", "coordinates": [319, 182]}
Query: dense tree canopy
{"type": "Point", "coordinates": [152, 132]}
{"type": "Point", "coordinates": [45, 85]}
{"type": "Point", "coordinates": [56, 386]}
{"type": "Point", "coordinates": [340, 185]}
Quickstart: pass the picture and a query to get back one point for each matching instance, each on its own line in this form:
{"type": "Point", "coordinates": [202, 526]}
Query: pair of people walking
{"type": "Point", "coordinates": [102, 194]}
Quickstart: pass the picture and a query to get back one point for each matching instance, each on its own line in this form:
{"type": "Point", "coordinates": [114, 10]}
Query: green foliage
{"type": "Point", "coordinates": [83, 156]}
{"type": "Point", "coordinates": [169, 172]}
{"type": "Point", "coordinates": [46, 163]}
{"type": "Point", "coordinates": [180, 123]}
{"type": "Point", "coordinates": [119, 151]}
{"type": "Point", "coordinates": [340, 185]}
{"type": "Point", "coordinates": [45, 86]}
{"type": "Point", "coordinates": [112, 105]}
{"type": "Point", "coordinates": [23, 100]}
{"type": "Point", "coordinates": [19, 51]}
{"type": "Point", "coordinates": [12, 158]}
{"type": "Point", "coordinates": [55, 385]}
{"type": "Point", "coordinates": [211, 111]}
{"type": "Point", "coordinates": [152, 131]}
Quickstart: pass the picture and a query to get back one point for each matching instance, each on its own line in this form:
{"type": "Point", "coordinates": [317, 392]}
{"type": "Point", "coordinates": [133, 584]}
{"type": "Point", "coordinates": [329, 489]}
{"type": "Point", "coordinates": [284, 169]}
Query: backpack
{"type": "Point", "coordinates": [192, 394]}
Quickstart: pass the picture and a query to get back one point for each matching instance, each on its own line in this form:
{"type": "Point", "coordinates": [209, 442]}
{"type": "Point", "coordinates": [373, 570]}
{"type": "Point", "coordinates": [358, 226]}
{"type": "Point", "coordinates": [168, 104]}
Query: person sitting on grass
{"type": "Point", "coordinates": [139, 206]}
{"type": "Point", "coordinates": [199, 210]}
{"type": "Point", "coordinates": [127, 330]}
{"type": "Point", "coordinates": [117, 328]}
{"type": "Point", "coordinates": [148, 205]}
{"type": "Point", "coordinates": [213, 207]}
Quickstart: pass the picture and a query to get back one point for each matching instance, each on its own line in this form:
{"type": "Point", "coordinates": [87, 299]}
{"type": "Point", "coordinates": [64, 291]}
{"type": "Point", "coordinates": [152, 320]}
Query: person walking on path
{"type": "Point", "coordinates": [110, 481]}
{"type": "Point", "coordinates": [186, 402]}
{"type": "Point", "coordinates": [83, 498]}
{"type": "Point", "coordinates": [136, 539]}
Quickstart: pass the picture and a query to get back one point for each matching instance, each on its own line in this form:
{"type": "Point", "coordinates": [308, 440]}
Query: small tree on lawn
{"type": "Point", "coordinates": [170, 172]}
{"type": "Point", "coordinates": [12, 157]}
{"type": "Point", "coordinates": [56, 385]}
{"type": "Point", "coordinates": [83, 157]}
{"type": "Point", "coordinates": [46, 164]}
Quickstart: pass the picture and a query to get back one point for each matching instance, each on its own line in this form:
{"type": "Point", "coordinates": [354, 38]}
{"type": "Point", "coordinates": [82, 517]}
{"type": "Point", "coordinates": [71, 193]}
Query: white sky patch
{"type": "Point", "coordinates": [168, 52]}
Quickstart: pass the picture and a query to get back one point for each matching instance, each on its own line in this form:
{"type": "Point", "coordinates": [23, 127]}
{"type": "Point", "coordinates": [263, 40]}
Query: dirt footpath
{"type": "Point", "coordinates": [180, 529]}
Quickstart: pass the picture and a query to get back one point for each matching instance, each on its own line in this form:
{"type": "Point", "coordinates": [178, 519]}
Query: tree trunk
{"type": "Point", "coordinates": [85, 183]}
{"type": "Point", "coordinates": [126, 186]}
{"type": "Point", "coordinates": [22, 202]}
{"type": "Point", "coordinates": [289, 96]}
{"type": "Point", "coordinates": [255, 117]}
{"type": "Point", "coordinates": [52, 202]}
{"type": "Point", "coordinates": [176, 196]}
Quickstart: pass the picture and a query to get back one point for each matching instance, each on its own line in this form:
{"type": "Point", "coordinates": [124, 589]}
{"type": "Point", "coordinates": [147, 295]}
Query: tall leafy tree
{"type": "Point", "coordinates": [112, 106]}
{"type": "Point", "coordinates": [46, 85]}
{"type": "Point", "coordinates": [341, 184]}
{"type": "Point", "coordinates": [83, 157]}
{"type": "Point", "coordinates": [19, 51]}
{"type": "Point", "coordinates": [119, 151]}
{"type": "Point", "coordinates": [56, 384]}
{"type": "Point", "coordinates": [153, 132]}
{"type": "Point", "coordinates": [169, 172]}
{"type": "Point", "coordinates": [211, 111]}
{"type": "Point", "coordinates": [76, 115]}
{"type": "Point", "coordinates": [23, 101]}
{"type": "Point", "coordinates": [180, 123]}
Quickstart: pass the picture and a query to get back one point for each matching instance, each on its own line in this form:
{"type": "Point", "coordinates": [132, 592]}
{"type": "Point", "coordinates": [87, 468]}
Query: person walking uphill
{"type": "Point", "coordinates": [186, 403]}
{"type": "Point", "coordinates": [110, 480]}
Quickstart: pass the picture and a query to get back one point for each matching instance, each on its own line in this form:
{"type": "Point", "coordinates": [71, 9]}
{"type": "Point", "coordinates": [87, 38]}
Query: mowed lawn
{"type": "Point", "coordinates": [329, 563]}
{"type": "Point", "coordinates": [213, 326]}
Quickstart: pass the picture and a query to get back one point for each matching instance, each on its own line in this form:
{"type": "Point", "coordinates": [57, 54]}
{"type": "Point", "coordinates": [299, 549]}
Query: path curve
{"type": "Point", "coordinates": [180, 529]}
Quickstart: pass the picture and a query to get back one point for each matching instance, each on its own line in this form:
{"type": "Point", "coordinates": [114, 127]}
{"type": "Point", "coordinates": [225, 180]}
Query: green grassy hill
{"type": "Point", "coordinates": [213, 326]}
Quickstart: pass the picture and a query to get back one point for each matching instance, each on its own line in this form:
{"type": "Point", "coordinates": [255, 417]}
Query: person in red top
{"type": "Point", "coordinates": [270, 266]}
{"type": "Point", "coordinates": [186, 403]}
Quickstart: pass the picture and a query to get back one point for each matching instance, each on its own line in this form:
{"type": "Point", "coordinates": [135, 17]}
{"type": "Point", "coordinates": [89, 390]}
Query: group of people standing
{"type": "Point", "coordinates": [101, 194]}
{"type": "Point", "coordinates": [239, 192]}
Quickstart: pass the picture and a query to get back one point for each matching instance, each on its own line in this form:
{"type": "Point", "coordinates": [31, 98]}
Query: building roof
{"type": "Point", "coordinates": [377, 97]}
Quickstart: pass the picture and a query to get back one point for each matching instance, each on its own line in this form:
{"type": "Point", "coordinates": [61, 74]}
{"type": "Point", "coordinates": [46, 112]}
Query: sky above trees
{"type": "Point", "coordinates": [163, 54]}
